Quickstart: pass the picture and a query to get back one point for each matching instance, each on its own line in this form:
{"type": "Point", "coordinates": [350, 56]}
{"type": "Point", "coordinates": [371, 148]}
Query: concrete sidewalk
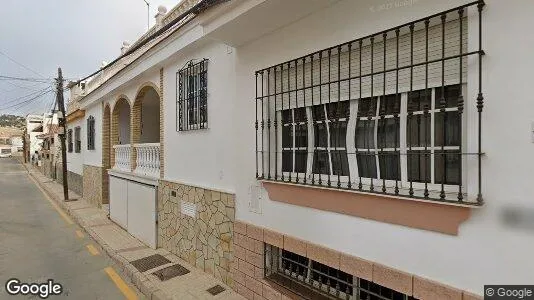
{"type": "Point", "coordinates": [124, 248]}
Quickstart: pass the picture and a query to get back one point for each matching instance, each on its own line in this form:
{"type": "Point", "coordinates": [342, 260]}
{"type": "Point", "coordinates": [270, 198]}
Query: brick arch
{"type": "Point", "coordinates": [137, 116]}
{"type": "Point", "coordinates": [145, 85]}
{"type": "Point", "coordinates": [113, 103]}
{"type": "Point", "coordinates": [114, 132]}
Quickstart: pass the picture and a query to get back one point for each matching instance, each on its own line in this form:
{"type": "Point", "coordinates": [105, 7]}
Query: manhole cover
{"type": "Point", "coordinates": [216, 290]}
{"type": "Point", "coordinates": [171, 272]}
{"type": "Point", "coordinates": [150, 262]}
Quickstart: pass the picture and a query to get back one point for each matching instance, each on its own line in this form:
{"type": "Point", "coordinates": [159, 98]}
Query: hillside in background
{"type": "Point", "coordinates": [12, 121]}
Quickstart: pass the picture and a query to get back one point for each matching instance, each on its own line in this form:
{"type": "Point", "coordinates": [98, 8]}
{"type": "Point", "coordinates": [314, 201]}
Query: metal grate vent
{"type": "Point", "coordinates": [215, 290]}
{"type": "Point", "coordinates": [150, 262]}
{"type": "Point", "coordinates": [171, 272]}
{"type": "Point", "coordinates": [189, 209]}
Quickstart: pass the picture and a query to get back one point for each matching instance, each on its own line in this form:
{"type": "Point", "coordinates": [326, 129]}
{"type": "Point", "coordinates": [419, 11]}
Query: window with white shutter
{"type": "Point", "coordinates": [380, 114]}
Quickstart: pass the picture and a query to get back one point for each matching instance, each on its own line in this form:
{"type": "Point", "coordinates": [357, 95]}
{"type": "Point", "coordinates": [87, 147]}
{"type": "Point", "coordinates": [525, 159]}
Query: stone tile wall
{"type": "Point", "coordinates": [204, 240]}
{"type": "Point", "coordinates": [93, 178]}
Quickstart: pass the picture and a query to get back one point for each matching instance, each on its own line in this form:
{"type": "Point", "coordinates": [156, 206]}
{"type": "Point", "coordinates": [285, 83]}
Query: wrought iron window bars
{"type": "Point", "coordinates": [91, 133]}
{"type": "Point", "coordinates": [378, 75]}
{"type": "Point", "coordinates": [313, 280]}
{"type": "Point", "coordinates": [192, 96]}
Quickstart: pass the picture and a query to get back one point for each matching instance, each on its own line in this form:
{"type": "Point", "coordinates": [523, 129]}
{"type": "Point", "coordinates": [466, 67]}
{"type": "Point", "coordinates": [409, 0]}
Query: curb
{"type": "Point", "coordinates": [138, 279]}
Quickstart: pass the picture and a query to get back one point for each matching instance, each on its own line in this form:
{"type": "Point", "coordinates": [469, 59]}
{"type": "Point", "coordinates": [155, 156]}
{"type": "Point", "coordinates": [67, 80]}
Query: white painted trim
{"type": "Point", "coordinates": [134, 177]}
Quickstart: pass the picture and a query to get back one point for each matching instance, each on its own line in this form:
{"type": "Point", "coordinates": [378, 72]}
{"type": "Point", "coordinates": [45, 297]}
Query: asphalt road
{"type": "Point", "coordinates": [37, 244]}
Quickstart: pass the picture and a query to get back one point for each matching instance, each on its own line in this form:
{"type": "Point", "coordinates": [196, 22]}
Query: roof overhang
{"type": "Point", "coordinates": [248, 20]}
{"type": "Point", "coordinates": [75, 115]}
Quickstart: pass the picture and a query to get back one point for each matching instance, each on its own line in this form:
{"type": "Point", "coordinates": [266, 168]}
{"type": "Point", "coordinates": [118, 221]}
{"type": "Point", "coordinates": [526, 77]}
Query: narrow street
{"type": "Point", "coordinates": [37, 243]}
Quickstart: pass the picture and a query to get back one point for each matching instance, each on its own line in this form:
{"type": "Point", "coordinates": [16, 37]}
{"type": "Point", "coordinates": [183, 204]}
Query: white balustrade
{"type": "Point", "coordinates": [147, 159]}
{"type": "Point", "coordinates": [122, 157]}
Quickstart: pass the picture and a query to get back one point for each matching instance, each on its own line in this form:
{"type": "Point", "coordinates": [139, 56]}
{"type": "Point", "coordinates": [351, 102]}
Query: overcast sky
{"type": "Point", "coordinates": [76, 35]}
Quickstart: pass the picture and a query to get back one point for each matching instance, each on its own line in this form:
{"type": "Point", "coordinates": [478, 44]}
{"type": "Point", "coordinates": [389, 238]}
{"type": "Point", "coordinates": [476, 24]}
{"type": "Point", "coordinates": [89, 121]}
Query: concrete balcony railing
{"type": "Point", "coordinates": [122, 157]}
{"type": "Point", "coordinates": [147, 159]}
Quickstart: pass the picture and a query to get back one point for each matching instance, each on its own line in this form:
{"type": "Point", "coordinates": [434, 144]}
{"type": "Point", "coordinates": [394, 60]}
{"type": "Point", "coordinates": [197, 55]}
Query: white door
{"type": "Point", "coordinates": [142, 212]}
{"type": "Point", "coordinates": [118, 201]}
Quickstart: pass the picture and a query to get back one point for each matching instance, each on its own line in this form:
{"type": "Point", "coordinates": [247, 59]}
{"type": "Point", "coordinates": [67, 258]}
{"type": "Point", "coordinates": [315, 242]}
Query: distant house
{"type": "Point", "coordinates": [10, 141]}
{"type": "Point", "coordinates": [50, 151]}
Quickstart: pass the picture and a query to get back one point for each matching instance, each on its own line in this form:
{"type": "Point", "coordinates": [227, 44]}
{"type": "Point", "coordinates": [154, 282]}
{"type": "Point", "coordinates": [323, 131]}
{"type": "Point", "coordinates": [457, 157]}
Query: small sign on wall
{"type": "Point", "coordinates": [189, 209]}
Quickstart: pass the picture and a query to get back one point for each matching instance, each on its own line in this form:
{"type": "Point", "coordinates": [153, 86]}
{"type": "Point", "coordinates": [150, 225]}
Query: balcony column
{"type": "Point", "coordinates": [135, 132]}
{"type": "Point", "coordinates": [114, 120]}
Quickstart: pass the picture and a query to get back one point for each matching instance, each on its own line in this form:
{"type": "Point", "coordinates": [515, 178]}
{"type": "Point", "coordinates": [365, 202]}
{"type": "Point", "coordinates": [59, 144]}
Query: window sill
{"type": "Point", "coordinates": [442, 217]}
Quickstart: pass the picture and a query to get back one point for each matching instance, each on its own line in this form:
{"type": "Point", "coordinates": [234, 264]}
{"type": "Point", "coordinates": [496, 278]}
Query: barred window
{"type": "Point", "coordinates": [382, 113]}
{"type": "Point", "coordinates": [69, 140]}
{"type": "Point", "coordinates": [91, 133]}
{"type": "Point", "coordinates": [192, 94]}
{"type": "Point", "coordinates": [77, 139]}
{"type": "Point", "coordinates": [313, 280]}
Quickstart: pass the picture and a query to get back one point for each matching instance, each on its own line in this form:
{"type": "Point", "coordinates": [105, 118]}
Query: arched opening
{"type": "Point", "coordinates": [120, 135]}
{"type": "Point", "coordinates": [145, 131]}
{"type": "Point", "coordinates": [146, 116]}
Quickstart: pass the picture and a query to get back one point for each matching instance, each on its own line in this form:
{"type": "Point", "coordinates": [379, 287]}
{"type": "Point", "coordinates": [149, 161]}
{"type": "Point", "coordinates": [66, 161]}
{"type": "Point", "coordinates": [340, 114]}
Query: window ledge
{"type": "Point", "coordinates": [442, 217]}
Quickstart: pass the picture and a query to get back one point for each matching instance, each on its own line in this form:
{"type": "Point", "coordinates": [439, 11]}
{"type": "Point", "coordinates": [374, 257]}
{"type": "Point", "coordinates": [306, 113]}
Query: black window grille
{"type": "Point", "coordinates": [192, 96]}
{"type": "Point", "coordinates": [382, 113]}
{"type": "Point", "coordinates": [77, 139]}
{"type": "Point", "coordinates": [91, 133]}
{"type": "Point", "coordinates": [313, 280]}
{"type": "Point", "coordinates": [69, 140]}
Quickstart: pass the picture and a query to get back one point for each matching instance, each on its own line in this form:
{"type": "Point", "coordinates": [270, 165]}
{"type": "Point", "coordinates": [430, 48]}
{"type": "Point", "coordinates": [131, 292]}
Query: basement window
{"type": "Point", "coordinates": [313, 280]}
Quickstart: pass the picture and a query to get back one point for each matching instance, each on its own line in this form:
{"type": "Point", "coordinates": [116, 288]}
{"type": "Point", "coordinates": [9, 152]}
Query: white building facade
{"type": "Point", "coordinates": [345, 147]}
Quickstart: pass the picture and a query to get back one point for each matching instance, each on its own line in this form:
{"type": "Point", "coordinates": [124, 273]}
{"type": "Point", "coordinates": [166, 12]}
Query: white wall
{"type": "Point", "coordinates": [486, 250]}
{"type": "Point", "coordinates": [203, 157]}
{"type": "Point", "coordinates": [93, 157]}
{"type": "Point", "coordinates": [75, 160]}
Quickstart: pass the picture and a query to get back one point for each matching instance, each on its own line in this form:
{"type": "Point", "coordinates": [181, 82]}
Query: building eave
{"type": "Point", "coordinates": [75, 115]}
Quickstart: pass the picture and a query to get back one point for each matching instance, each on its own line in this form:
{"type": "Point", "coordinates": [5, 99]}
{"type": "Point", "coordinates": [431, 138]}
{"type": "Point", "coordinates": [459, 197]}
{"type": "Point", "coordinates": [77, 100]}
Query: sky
{"type": "Point", "coordinates": [37, 37]}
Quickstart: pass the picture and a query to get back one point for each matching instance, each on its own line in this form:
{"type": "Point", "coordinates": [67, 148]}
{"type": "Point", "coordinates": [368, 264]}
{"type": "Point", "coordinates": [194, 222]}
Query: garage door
{"type": "Point", "coordinates": [118, 205]}
{"type": "Point", "coordinates": [142, 212]}
{"type": "Point", "coordinates": [132, 205]}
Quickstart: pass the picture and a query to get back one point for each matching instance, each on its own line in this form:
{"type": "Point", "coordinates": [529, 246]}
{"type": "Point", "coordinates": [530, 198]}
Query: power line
{"type": "Point", "coordinates": [4, 77]}
{"type": "Point", "coordinates": [27, 101]}
{"type": "Point", "coordinates": [20, 64]}
{"type": "Point", "coordinates": [19, 109]}
{"type": "Point", "coordinates": [31, 87]}
{"type": "Point", "coordinates": [27, 95]}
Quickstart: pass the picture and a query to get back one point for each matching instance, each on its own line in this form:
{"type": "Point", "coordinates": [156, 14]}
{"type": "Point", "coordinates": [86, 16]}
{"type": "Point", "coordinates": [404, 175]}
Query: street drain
{"type": "Point", "coordinates": [216, 290]}
{"type": "Point", "coordinates": [171, 272]}
{"type": "Point", "coordinates": [150, 262]}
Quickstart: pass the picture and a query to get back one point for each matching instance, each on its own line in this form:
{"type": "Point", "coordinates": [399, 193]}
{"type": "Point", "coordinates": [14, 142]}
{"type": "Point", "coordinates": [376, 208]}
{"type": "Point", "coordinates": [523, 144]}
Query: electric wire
{"type": "Point", "coordinates": [20, 64]}
{"type": "Point", "coordinates": [26, 102]}
{"type": "Point", "coordinates": [27, 95]}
